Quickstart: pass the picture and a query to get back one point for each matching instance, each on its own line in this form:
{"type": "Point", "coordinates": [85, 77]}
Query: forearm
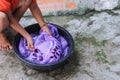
{"type": "Point", "coordinates": [37, 14]}
{"type": "Point", "coordinates": [16, 26]}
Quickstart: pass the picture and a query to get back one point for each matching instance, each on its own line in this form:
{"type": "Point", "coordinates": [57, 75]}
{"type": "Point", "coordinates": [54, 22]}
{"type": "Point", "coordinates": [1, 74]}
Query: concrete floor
{"type": "Point", "coordinates": [96, 56]}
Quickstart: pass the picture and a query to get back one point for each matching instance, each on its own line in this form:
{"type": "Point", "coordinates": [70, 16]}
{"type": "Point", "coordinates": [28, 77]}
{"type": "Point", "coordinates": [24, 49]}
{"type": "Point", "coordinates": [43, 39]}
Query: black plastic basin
{"type": "Point", "coordinates": [34, 28]}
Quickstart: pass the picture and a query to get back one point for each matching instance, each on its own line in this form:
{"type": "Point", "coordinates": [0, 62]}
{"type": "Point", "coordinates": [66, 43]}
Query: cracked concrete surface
{"type": "Point", "coordinates": [97, 49]}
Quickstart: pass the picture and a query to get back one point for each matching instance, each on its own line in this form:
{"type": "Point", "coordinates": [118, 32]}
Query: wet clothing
{"type": "Point", "coordinates": [48, 48]}
{"type": "Point", "coordinates": [8, 5]}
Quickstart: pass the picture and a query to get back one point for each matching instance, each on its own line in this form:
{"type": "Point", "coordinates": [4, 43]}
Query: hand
{"type": "Point", "coordinates": [46, 29]}
{"type": "Point", "coordinates": [30, 43]}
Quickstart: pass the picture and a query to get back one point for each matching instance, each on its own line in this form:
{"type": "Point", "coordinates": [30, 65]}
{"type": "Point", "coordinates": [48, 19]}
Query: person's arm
{"type": "Point", "coordinates": [36, 12]}
{"type": "Point", "coordinates": [17, 27]}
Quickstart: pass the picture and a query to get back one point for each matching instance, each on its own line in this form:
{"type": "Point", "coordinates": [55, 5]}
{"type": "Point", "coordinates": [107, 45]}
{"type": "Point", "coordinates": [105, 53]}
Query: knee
{"type": "Point", "coordinates": [4, 22]}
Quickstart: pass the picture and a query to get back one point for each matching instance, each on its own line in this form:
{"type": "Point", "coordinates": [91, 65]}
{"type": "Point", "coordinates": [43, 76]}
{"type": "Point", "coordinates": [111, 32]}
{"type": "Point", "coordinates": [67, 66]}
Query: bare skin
{"type": "Point", "coordinates": [4, 43]}
{"type": "Point", "coordinates": [12, 18]}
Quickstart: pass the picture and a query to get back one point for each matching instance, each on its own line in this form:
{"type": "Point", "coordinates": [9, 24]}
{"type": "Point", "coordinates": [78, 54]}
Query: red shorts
{"type": "Point", "coordinates": [8, 5]}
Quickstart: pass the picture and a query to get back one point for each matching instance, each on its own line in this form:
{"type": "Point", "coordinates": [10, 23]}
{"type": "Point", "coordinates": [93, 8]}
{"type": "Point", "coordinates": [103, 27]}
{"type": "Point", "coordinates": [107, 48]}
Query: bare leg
{"type": "Point", "coordinates": [4, 22]}
{"type": "Point", "coordinates": [4, 43]}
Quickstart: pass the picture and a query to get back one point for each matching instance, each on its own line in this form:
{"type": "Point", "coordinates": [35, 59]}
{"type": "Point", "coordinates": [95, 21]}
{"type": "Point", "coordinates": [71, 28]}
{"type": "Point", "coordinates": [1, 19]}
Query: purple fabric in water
{"type": "Point", "coordinates": [47, 48]}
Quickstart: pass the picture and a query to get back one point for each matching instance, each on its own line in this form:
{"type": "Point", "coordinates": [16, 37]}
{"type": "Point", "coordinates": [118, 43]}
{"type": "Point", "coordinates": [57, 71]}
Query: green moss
{"type": "Point", "coordinates": [88, 73]}
{"type": "Point", "coordinates": [101, 57]}
{"type": "Point", "coordinates": [118, 73]}
{"type": "Point", "coordinates": [117, 8]}
{"type": "Point", "coordinates": [92, 41]}
{"type": "Point", "coordinates": [113, 63]}
{"type": "Point", "coordinates": [65, 26]}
